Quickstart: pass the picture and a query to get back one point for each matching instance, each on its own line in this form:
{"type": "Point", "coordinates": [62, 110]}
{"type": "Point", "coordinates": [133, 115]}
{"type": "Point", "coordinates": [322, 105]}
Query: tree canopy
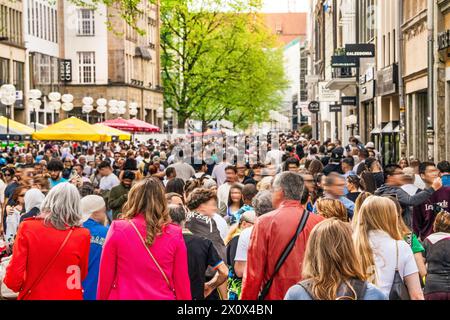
{"type": "Point", "coordinates": [219, 61]}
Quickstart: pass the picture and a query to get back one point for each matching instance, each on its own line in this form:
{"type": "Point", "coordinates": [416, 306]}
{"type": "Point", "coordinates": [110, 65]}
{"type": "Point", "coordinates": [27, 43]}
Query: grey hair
{"type": "Point", "coordinates": [292, 185]}
{"type": "Point", "coordinates": [177, 214]}
{"type": "Point", "coordinates": [262, 202]}
{"type": "Point", "coordinates": [61, 206]}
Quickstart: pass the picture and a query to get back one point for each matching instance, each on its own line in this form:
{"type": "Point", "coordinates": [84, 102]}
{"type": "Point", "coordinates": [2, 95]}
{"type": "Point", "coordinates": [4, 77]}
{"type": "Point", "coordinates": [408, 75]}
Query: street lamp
{"type": "Point", "coordinates": [101, 107]}
{"type": "Point", "coordinates": [121, 108]}
{"type": "Point", "coordinates": [113, 109]}
{"type": "Point", "coordinates": [35, 104]}
{"type": "Point", "coordinates": [133, 106]}
{"type": "Point", "coordinates": [87, 106]}
{"type": "Point", "coordinates": [351, 122]}
{"type": "Point", "coordinates": [54, 104]}
{"type": "Point", "coordinates": [8, 98]}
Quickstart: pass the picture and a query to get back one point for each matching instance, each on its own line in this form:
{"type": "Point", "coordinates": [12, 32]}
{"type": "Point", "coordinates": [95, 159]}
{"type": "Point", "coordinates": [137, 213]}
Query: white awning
{"type": "Point", "coordinates": [397, 129]}
{"type": "Point", "coordinates": [376, 131]}
{"type": "Point", "coordinates": [340, 83]}
{"type": "Point", "coordinates": [389, 128]}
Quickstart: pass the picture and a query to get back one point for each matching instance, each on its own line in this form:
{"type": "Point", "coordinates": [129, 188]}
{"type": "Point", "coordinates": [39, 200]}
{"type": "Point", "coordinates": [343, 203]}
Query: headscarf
{"type": "Point", "coordinates": [33, 199]}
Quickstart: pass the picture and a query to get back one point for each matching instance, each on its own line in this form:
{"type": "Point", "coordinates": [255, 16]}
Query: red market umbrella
{"type": "Point", "coordinates": [208, 133]}
{"type": "Point", "coordinates": [132, 125]}
{"type": "Point", "coordinates": [144, 126]}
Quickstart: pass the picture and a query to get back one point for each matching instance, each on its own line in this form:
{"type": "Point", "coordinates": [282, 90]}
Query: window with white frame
{"type": "Point", "coordinates": [86, 67]}
{"type": "Point", "coordinates": [86, 22]}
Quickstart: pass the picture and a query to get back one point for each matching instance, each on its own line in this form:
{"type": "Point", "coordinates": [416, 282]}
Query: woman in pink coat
{"type": "Point", "coordinates": [144, 256]}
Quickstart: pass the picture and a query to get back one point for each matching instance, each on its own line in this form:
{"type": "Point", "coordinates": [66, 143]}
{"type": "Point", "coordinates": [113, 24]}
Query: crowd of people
{"type": "Point", "coordinates": [311, 221]}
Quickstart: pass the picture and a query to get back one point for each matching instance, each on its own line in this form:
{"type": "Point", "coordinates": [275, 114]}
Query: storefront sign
{"type": "Point", "coordinates": [360, 50]}
{"type": "Point", "coordinates": [344, 62]}
{"type": "Point", "coordinates": [327, 95]}
{"type": "Point", "coordinates": [387, 80]}
{"type": "Point", "coordinates": [314, 107]}
{"type": "Point", "coordinates": [348, 101]}
{"type": "Point", "coordinates": [367, 91]}
{"type": "Point", "coordinates": [65, 70]}
{"type": "Point", "coordinates": [444, 40]}
{"type": "Point", "coordinates": [335, 108]}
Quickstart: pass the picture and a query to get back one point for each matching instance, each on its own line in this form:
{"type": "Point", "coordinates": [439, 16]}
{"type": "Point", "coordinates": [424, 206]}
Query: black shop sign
{"type": "Point", "coordinates": [335, 108]}
{"type": "Point", "coordinates": [360, 50]}
{"type": "Point", "coordinates": [65, 70]}
{"type": "Point", "coordinates": [314, 107]}
{"type": "Point", "coordinates": [444, 40]}
{"type": "Point", "coordinates": [348, 101]}
{"type": "Point", "coordinates": [344, 62]}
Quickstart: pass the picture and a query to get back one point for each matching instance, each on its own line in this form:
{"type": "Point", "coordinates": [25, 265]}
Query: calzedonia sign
{"type": "Point", "coordinates": [360, 50]}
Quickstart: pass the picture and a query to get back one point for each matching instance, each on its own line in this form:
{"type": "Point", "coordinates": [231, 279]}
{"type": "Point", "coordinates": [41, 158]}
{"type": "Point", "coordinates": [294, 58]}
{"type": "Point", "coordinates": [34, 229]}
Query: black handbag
{"type": "Point", "coordinates": [399, 291]}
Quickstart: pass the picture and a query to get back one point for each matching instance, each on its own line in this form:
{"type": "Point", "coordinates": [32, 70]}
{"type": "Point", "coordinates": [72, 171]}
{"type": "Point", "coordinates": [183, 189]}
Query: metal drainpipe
{"type": "Point", "coordinates": [430, 26]}
{"type": "Point", "coordinates": [401, 88]}
{"type": "Point", "coordinates": [335, 24]}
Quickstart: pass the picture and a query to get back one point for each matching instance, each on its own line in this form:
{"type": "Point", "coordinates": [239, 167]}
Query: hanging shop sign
{"type": "Point", "coordinates": [344, 62]}
{"type": "Point", "coordinates": [65, 70]}
{"type": "Point", "coordinates": [348, 101]}
{"type": "Point", "coordinates": [444, 40]}
{"type": "Point", "coordinates": [387, 80]}
{"type": "Point", "coordinates": [314, 107]}
{"type": "Point", "coordinates": [335, 108]}
{"type": "Point", "coordinates": [360, 50]}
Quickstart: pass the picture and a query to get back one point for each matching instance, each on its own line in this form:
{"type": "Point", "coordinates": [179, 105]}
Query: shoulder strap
{"type": "Point", "coordinates": [396, 255]}
{"type": "Point", "coordinates": [152, 257]}
{"type": "Point", "coordinates": [47, 267]}
{"type": "Point", "coordinates": [284, 255]}
{"type": "Point", "coordinates": [307, 285]}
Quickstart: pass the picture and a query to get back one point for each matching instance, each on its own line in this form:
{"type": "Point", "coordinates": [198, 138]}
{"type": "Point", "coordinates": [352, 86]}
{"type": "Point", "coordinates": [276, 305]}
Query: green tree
{"type": "Point", "coordinates": [219, 61]}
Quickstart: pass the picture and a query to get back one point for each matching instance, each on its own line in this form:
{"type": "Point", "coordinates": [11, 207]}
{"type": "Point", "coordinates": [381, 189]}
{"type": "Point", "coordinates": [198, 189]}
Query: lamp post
{"type": "Point", "coordinates": [101, 107]}
{"type": "Point", "coordinates": [87, 106]}
{"type": "Point", "coordinates": [67, 104]}
{"type": "Point", "coordinates": [8, 98]}
{"type": "Point", "coordinates": [132, 109]}
{"type": "Point", "coordinates": [160, 115]}
{"type": "Point", "coordinates": [113, 109]}
{"type": "Point", "coordinates": [55, 103]}
{"type": "Point", "coordinates": [35, 104]}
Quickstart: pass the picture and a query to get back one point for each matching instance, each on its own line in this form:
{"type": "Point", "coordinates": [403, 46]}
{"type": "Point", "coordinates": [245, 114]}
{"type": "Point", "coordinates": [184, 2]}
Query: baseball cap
{"type": "Point", "coordinates": [370, 145]}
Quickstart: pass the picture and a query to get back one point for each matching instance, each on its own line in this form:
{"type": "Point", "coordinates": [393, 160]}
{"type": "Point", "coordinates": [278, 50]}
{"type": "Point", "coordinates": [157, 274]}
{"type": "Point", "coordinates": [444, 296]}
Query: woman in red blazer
{"type": "Point", "coordinates": [50, 253]}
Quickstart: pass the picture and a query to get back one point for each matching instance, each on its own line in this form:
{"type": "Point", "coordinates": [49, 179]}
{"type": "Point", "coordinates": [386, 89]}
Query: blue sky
{"type": "Point", "coordinates": [283, 5]}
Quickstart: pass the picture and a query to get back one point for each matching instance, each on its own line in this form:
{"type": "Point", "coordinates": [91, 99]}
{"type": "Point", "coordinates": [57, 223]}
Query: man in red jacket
{"type": "Point", "coordinates": [271, 234]}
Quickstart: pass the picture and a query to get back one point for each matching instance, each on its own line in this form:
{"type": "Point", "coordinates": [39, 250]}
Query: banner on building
{"type": "Point", "coordinates": [65, 70]}
{"type": "Point", "coordinates": [360, 50]}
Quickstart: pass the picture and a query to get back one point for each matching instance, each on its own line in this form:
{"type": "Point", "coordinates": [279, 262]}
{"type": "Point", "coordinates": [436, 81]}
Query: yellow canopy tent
{"type": "Point", "coordinates": [72, 129]}
{"type": "Point", "coordinates": [114, 132]}
{"type": "Point", "coordinates": [15, 126]}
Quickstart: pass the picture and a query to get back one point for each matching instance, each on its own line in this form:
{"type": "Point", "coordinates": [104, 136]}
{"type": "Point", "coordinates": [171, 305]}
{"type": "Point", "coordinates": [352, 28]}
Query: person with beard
{"type": "Point", "coordinates": [55, 168]}
{"type": "Point", "coordinates": [119, 194]}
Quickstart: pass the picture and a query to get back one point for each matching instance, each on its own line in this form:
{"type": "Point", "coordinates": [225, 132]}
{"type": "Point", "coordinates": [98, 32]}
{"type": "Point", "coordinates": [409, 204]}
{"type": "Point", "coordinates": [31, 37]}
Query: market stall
{"type": "Point", "coordinates": [72, 129]}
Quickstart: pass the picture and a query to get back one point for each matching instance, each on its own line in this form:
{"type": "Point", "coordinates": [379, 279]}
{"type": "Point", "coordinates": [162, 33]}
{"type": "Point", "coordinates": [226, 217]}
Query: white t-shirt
{"type": "Point", "coordinates": [223, 193]}
{"type": "Point", "coordinates": [410, 189]}
{"type": "Point", "coordinates": [2, 191]}
{"type": "Point", "coordinates": [384, 250]}
{"type": "Point", "coordinates": [109, 182]}
{"type": "Point", "coordinates": [221, 225]}
{"type": "Point", "coordinates": [243, 244]}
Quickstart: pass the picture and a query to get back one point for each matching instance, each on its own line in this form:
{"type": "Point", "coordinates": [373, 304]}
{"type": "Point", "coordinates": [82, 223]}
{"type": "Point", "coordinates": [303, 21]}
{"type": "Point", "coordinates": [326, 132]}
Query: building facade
{"type": "Point", "coordinates": [114, 63]}
{"type": "Point", "coordinates": [13, 56]}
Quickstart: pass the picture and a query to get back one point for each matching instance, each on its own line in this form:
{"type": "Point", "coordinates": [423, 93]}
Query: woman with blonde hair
{"type": "Point", "coordinates": [331, 208]}
{"type": "Point", "coordinates": [144, 256]}
{"type": "Point", "coordinates": [331, 270]}
{"type": "Point", "coordinates": [358, 204]}
{"type": "Point", "coordinates": [381, 248]}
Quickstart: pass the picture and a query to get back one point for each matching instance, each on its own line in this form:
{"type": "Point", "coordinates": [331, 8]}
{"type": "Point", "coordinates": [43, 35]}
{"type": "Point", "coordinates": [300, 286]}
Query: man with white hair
{"type": "Point", "coordinates": [93, 209]}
